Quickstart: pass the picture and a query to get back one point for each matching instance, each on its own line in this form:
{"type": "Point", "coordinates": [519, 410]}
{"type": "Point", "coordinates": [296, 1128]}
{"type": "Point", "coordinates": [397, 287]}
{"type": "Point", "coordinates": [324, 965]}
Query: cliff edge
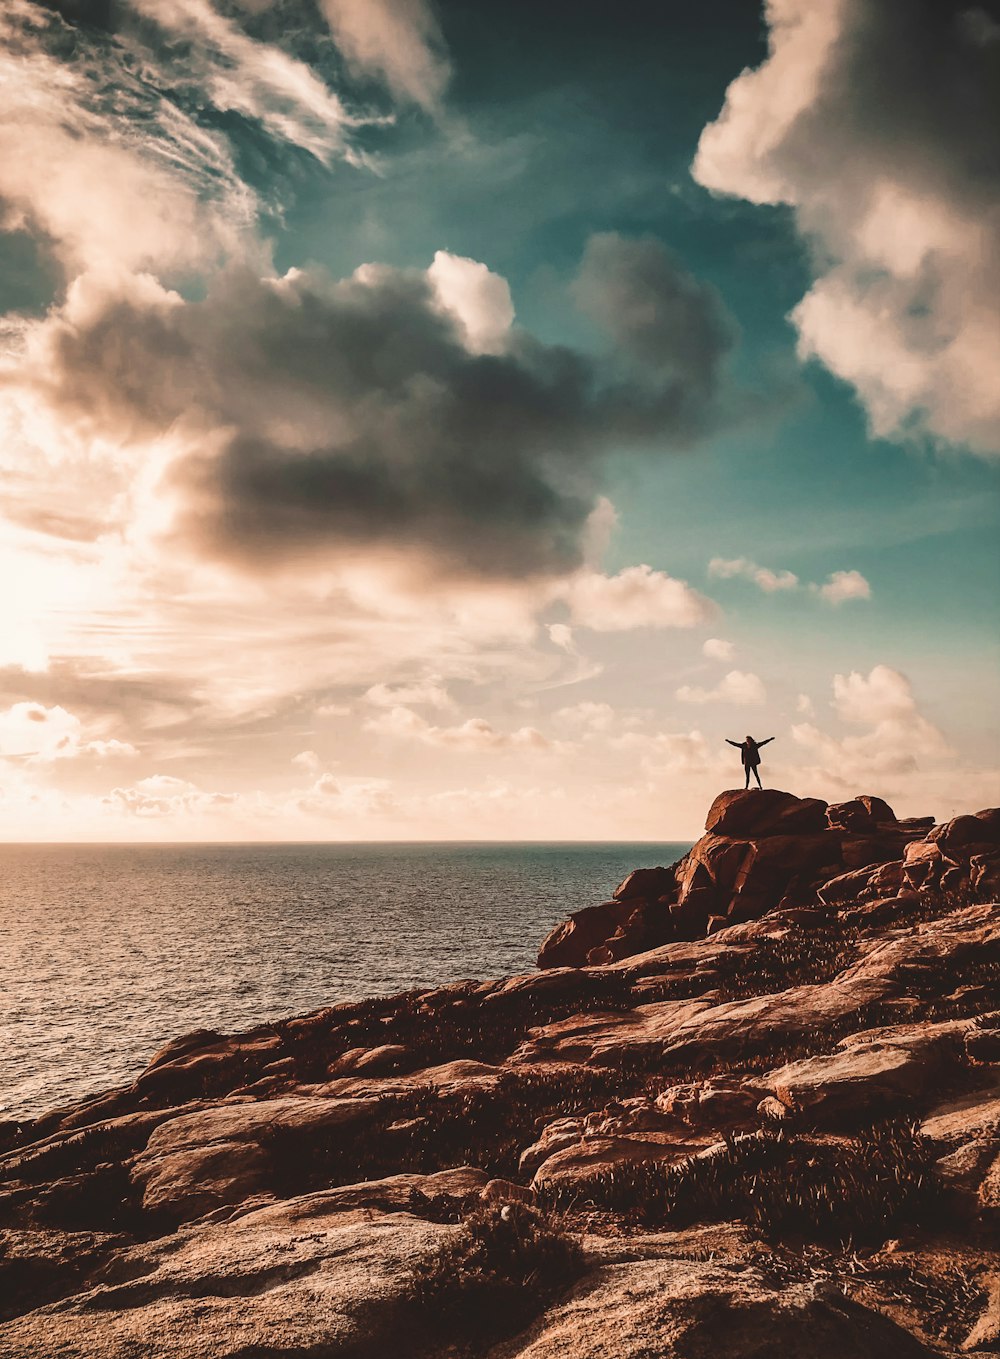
{"type": "Point", "coordinates": [750, 1105]}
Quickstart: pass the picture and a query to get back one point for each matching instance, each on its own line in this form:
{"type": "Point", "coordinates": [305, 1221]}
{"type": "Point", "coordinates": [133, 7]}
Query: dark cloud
{"type": "Point", "coordinates": [657, 313]}
{"type": "Point", "coordinates": [322, 416]}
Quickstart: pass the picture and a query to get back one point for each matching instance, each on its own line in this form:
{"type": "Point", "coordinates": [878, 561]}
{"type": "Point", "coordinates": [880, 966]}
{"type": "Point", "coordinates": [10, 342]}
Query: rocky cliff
{"type": "Point", "coordinates": [750, 1106]}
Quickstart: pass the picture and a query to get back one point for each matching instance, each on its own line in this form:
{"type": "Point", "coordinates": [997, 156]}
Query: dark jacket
{"type": "Point", "coordinates": [749, 750]}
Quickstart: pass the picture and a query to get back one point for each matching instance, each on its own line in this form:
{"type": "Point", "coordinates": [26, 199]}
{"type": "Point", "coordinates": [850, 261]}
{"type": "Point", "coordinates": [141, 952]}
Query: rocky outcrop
{"type": "Point", "coordinates": [768, 1108]}
{"type": "Point", "coordinates": [763, 849]}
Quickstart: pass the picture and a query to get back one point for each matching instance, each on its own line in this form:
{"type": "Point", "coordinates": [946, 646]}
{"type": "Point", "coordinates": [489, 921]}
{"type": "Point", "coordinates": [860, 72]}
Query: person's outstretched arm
{"type": "Point", "coordinates": [737, 743]}
{"type": "Point", "coordinates": [764, 743]}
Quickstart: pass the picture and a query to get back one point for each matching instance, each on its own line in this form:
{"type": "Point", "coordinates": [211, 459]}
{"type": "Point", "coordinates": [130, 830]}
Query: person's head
{"type": "Point", "coordinates": [750, 740]}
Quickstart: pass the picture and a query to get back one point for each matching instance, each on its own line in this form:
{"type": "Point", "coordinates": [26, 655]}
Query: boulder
{"type": "Point", "coordinates": [694, 1309]}
{"type": "Point", "coordinates": [757, 812]}
{"type": "Point", "coordinates": [299, 1277]}
{"type": "Point", "coordinates": [864, 814]}
{"type": "Point", "coordinates": [571, 941]}
{"type": "Point", "coordinates": [197, 1162]}
{"type": "Point", "coordinates": [647, 884]}
{"type": "Point", "coordinates": [980, 828]}
{"type": "Point", "coordinates": [771, 864]}
{"type": "Point", "coordinates": [863, 1082]}
{"type": "Point", "coordinates": [846, 887]}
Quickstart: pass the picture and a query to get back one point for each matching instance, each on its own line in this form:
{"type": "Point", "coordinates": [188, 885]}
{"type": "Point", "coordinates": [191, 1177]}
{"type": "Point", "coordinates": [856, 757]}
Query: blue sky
{"type": "Point", "coordinates": [455, 421]}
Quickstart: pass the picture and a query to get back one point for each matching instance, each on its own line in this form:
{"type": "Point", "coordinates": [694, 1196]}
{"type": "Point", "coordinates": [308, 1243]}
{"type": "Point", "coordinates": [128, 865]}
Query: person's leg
{"type": "Point", "coordinates": [746, 770]}
{"type": "Point", "coordinates": [756, 774]}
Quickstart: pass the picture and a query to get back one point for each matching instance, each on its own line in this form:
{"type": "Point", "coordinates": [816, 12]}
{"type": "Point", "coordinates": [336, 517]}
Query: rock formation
{"type": "Point", "coordinates": [766, 849]}
{"type": "Point", "coordinates": [760, 1088]}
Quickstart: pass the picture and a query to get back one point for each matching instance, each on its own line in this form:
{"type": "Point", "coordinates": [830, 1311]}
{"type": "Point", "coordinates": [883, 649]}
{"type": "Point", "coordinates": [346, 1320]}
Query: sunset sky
{"type": "Point", "coordinates": [454, 421]}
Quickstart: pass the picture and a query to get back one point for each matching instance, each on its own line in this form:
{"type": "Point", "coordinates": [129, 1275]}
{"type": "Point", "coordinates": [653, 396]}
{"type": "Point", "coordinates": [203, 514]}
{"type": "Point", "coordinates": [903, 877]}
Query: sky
{"type": "Point", "coordinates": [455, 421]}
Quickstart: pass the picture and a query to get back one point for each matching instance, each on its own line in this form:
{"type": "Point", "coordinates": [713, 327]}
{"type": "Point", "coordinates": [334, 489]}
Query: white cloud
{"type": "Point", "coordinates": [353, 800]}
{"type": "Point", "coordinates": [430, 693]}
{"type": "Point", "coordinates": [637, 597]}
{"type": "Point", "coordinates": [716, 649]}
{"type": "Point", "coordinates": [475, 734]}
{"type": "Point", "coordinates": [257, 79]}
{"type": "Point", "coordinates": [898, 738]}
{"type": "Point", "coordinates": [738, 687]}
{"type": "Point", "coordinates": [162, 795]}
{"type": "Point", "coordinates": [36, 734]}
{"type": "Point", "coordinates": [598, 717]}
{"type": "Point", "coordinates": [804, 705]}
{"type": "Point", "coordinates": [844, 585]}
{"type": "Point", "coordinates": [876, 124]}
{"type": "Point", "coordinates": [884, 694]}
{"type": "Point", "coordinates": [308, 760]}
{"type": "Point", "coordinates": [398, 40]}
{"type": "Point", "coordinates": [839, 587]}
{"type": "Point", "coordinates": [561, 635]}
{"type": "Point", "coordinates": [762, 576]}
{"type": "Point", "coordinates": [478, 298]}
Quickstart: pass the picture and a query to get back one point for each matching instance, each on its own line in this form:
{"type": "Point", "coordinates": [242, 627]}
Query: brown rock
{"type": "Point", "coordinates": [571, 941]}
{"type": "Point", "coordinates": [764, 811]}
{"type": "Point", "coordinates": [861, 1081]}
{"type": "Point", "coordinates": [648, 884]}
{"type": "Point", "coordinates": [847, 887]}
{"type": "Point", "coordinates": [693, 1309]}
{"type": "Point", "coordinates": [198, 1162]}
{"type": "Point", "coordinates": [298, 1277]}
{"type": "Point", "coordinates": [984, 876]}
{"type": "Point", "coordinates": [859, 851]}
{"type": "Point", "coordinates": [770, 865]}
{"type": "Point", "coordinates": [982, 828]}
{"type": "Point", "coordinates": [986, 1332]}
{"type": "Point", "coordinates": [857, 814]}
{"type": "Point", "coordinates": [585, 1157]}
{"type": "Point", "coordinates": [969, 1116]}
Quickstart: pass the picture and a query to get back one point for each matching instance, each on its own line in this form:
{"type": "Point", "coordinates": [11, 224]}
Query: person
{"type": "Point", "coordinates": [750, 754]}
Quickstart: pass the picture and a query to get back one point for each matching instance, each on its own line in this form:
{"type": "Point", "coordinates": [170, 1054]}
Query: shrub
{"type": "Point", "coordinates": [503, 1267]}
{"type": "Point", "coordinates": [858, 1189]}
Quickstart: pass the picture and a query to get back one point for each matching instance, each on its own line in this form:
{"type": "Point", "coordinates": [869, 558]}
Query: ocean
{"type": "Point", "coordinates": [109, 951]}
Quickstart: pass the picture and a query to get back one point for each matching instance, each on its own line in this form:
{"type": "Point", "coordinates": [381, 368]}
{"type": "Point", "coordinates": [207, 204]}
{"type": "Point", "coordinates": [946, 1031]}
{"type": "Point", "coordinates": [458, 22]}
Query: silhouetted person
{"type": "Point", "coordinates": [750, 755]}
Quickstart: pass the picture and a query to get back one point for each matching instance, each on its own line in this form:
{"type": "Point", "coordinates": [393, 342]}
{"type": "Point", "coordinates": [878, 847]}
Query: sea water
{"type": "Point", "coordinates": [109, 951]}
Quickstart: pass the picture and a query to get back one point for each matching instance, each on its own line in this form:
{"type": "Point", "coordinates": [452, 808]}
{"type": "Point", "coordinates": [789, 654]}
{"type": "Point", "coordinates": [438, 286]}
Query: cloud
{"type": "Point", "coordinates": [716, 649]}
{"type": "Point", "coordinates": [877, 124]}
{"type": "Point", "coordinates": [637, 597]}
{"type": "Point", "coordinates": [589, 716]}
{"type": "Point", "coordinates": [839, 587]}
{"type": "Point", "coordinates": [36, 734]}
{"type": "Point", "coordinates": [257, 79]}
{"type": "Point", "coordinates": [478, 299]}
{"type": "Point", "coordinates": [738, 687]}
{"type": "Point", "coordinates": [655, 311]}
{"type": "Point", "coordinates": [474, 735]}
{"type": "Point", "coordinates": [898, 738]}
{"type": "Point", "coordinates": [804, 704]}
{"type": "Point", "coordinates": [844, 585]}
{"type": "Point", "coordinates": [278, 420]}
{"type": "Point", "coordinates": [883, 695]}
{"type": "Point", "coordinates": [348, 799]}
{"type": "Point", "coordinates": [561, 635]}
{"type": "Point", "coordinates": [397, 40]}
{"type": "Point", "coordinates": [162, 795]}
{"type": "Point", "coordinates": [101, 163]}
{"type": "Point", "coordinates": [428, 692]}
{"type": "Point", "coordinates": [308, 760]}
{"type": "Point", "coordinates": [762, 576]}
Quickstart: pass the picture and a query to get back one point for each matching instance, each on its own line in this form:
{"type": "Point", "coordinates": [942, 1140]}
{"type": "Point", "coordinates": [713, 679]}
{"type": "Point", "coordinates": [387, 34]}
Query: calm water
{"type": "Point", "coordinates": [109, 951]}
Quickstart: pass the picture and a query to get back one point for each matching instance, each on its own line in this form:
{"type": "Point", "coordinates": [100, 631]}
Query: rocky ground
{"type": "Point", "coordinates": [750, 1106]}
